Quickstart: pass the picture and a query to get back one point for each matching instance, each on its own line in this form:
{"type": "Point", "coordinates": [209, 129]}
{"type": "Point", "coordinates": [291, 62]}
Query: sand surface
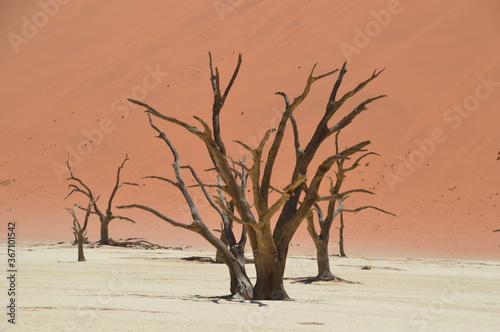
{"type": "Point", "coordinates": [132, 290]}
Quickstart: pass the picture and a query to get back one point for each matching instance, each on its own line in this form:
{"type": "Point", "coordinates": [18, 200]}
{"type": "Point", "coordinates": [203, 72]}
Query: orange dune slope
{"type": "Point", "coordinates": [67, 68]}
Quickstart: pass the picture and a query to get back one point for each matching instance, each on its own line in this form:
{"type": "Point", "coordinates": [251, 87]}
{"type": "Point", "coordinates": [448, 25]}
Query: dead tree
{"type": "Point", "coordinates": [321, 239]}
{"type": "Point", "coordinates": [78, 230]}
{"type": "Point", "coordinates": [270, 245]}
{"type": "Point", "coordinates": [107, 216]}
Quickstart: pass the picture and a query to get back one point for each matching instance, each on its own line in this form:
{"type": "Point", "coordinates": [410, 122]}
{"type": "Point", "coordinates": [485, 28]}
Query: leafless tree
{"type": "Point", "coordinates": [321, 239]}
{"type": "Point", "coordinates": [80, 230]}
{"type": "Point", "coordinates": [78, 186]}
{"type": "Point", "coordinates": [291, 206]}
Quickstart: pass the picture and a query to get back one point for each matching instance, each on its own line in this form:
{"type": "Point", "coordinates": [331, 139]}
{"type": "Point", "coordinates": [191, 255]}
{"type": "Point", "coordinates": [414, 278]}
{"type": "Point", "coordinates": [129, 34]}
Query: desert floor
{"type": "Point", "coordinates": [133, 289]}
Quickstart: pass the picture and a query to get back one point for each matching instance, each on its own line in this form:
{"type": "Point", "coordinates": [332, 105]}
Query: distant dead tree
{"type": "Point", "coordinates": [78, 186]}
{"type": "Point", "coordinates": [253, 207]}
{"type": "Point", "coordinates": [321, 239]}
{"type": "Point", "coordinates": [78, 230]}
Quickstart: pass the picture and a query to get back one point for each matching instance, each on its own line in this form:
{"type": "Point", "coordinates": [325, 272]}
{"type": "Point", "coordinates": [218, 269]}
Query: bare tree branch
{"type": "Point", "coordinates": [310, 225]}
{"type": "Point", "coordinates": [156, 213]}
{"type": "Point", "coordinates": [356, 163]}
{"type": "Point", "coordinates": [154, 112]}
{"type": "Point", "coordinates": [86, 190]}
{"type": "Point", "coordinates": [349, 117]}
{"type": "Point", "coordinates": [336, 86]}
{"type": "Point", "coordinates": [229, 212]}
{"type": "Point", "coordinates": [124, 218]}
{"type": "Point", "coordinates": [333, 104]}
{"type": "Point", "coordinates": [118, 185]}
{"type": "Point", "coordinates": [205, 191]}
{"type": "Point", "coordinates": [368, 207]}
{"type": "Point", "coordinates": [254, 173]}
{"type": "Point", "coordinates": [285, 97]}
{"type": "Point", "coordinates": [220, 99]}
{"type": "Point", "coordinates": [287, 192]}
{"type": "Point", "coordinates": [342, 195]}
{"type": "Point", "coordinates": [175, 184]}
{"type": "Point", "coordinates": [296, 139]}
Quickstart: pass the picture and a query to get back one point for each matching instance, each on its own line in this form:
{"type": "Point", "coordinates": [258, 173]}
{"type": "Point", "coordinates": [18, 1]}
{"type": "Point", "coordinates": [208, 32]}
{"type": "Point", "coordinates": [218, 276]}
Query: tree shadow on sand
{"type": "Point", "coordinates": [229, 298]}
{"type": "Point", "coordinates": [330, 278]}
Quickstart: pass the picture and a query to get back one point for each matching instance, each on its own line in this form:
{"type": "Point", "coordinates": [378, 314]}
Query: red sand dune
{"type": "Point", "coordinates": [65, 77]}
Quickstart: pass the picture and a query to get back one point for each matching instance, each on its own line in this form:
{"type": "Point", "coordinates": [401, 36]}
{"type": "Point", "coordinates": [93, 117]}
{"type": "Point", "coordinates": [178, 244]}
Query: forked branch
{"type": "Point", "coordinates": [289, 108]}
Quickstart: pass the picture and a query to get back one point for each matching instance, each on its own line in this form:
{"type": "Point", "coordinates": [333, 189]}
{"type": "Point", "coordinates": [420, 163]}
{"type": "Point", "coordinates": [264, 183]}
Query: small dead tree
{"type": "Point", "coordinates": [78, 230]}
{"type": "Point", "coordinates": [78, 186]}
{"type": "Point", "coordinates": [253, 208]}
{"type": "Point", "coordinates": [321, 239]}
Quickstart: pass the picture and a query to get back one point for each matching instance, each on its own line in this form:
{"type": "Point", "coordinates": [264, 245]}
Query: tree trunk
{"type": "Point", "coordinates": [104, 232]}
{"type": "Point", "coordinates": [323, 261]}
{"type": "Point", "coordinates": [269, 268]}
{"type": "Point", "coordinates": [341, 236]}
{"type": "Point", "coordinates": [241, 287]}
{"type": "Point", "coordinates": [324, 273]}
{"type": "Point", "coordinates": [81, 256]}
{"type": "Point", "coordinates": [269, 285]}
{"type": "Point", "coordinates": [219, 257]}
